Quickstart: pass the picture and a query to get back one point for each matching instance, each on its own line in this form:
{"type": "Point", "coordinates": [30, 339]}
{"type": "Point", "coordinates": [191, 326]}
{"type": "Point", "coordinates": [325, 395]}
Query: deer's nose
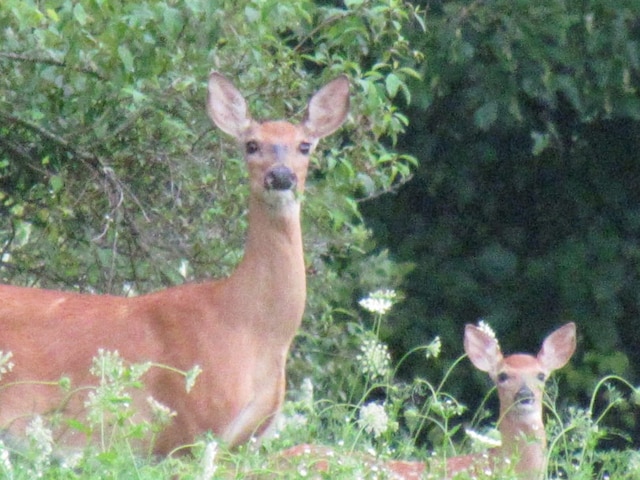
{"type": "Point", "coordinates": [524, 396]}
{"type": "Point", "coordinates": [280, 177]}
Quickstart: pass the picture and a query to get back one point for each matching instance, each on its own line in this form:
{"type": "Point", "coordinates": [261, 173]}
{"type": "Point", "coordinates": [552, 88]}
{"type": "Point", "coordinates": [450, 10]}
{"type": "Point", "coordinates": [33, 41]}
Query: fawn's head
{"type": "Point", "coordinates": [277, 152]}
{"type": "Point", "coordinates": [520, 378]}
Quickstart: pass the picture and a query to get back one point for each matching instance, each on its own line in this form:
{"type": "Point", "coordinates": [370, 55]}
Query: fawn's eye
{"type": "Point", "coordinates": [251, 147]}
{"type": "Point", "coordinates": [305, 148]}
{"type": "Point", "coordinates": [502, 377]}
{"type": "Point", "coordinates": [542, 377]}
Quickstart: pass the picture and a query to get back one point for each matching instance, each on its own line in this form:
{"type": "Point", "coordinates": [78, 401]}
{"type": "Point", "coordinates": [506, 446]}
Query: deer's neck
{"type": "Point", "coordinates": [270, 280]}
{"type": "Point", "coordinates": [524, 439]}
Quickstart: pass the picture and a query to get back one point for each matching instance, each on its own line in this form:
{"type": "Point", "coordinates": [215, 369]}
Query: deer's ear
{"type": "Point", "coordinates": [328, 108]}
{"type": "Point", "coordinates": [558, 347]}
{"type": "Point", "coordinates": [226, 106]}
{"type": "Point", "coordinates": [483, 349]}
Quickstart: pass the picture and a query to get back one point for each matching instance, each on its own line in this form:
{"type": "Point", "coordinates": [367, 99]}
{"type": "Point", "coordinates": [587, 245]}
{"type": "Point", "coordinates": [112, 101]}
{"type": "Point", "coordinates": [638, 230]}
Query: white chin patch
{"type": "Point", "coordinates": [280, 201]}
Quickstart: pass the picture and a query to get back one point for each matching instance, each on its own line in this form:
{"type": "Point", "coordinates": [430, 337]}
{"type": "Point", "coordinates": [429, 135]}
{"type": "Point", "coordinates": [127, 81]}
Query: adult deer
{"type": "Point", "coordinates": [238, 330]}
{"type": "Point", "coordinates": [519, 379]}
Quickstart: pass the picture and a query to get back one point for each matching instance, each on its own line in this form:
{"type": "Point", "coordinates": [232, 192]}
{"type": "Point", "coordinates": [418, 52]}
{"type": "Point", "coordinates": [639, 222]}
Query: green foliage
{"type": "Point", "coordinates": [110, 179]}
{"type": "Point", "coordinates": [524, 209]}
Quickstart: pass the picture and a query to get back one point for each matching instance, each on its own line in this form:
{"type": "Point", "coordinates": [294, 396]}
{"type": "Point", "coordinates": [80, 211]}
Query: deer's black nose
{"type": "Point", "coordinates": [280, 177]}
{"type": "Point", "coordinates": [525, 396]}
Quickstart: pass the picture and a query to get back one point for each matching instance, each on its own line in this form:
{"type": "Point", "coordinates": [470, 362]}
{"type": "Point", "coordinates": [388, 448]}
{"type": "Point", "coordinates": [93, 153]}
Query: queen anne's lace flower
{"type": "Point", "coordinates": [375, 359]}
{"type": "Point", "coordinates": [306, 393]}
{"type": "Point", "coordinates": [5, 459]}
{"type": "Point", "coordinates": [485, 441]}
{"type": "Point", "coordinates": [374, 419]}
{"type": "Point", "coordinates": [208, 464]}
{"type": "Point", "coordinates": [162, 414]}
{"type": "Point", "coordinates": [379, 302]}
{"type": "Point", "coordinates": [41, 439]}
{"type": "Point", "coordinates": [486, 328]}
{"type": "Point", "coordinates": [433, 349]}
{"type": "Point", "coordinates": [6, 365]}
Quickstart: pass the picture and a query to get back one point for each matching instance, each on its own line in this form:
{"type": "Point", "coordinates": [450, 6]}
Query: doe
{"type": "Point", "coordinates": [238, 329]}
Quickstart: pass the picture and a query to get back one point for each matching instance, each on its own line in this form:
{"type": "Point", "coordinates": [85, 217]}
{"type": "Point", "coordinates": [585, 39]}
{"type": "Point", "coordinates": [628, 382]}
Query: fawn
{"type": "Point", "coordinates": [519, 379]}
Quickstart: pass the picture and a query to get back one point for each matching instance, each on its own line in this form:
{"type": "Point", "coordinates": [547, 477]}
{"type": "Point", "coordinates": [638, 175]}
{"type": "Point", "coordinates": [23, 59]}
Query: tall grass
{"type": "Point", "coordinates": [371, 415]}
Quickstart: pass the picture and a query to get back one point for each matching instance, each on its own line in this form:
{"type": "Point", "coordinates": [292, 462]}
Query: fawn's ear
{"type": "Point", "coordinates": [328, 108]}
{"type": "Point", "coordinates": [483, 349]}
{"type": "Point", "coordinates": [558, 347]}
{"type": "Point", "coordinates": [226, 106]}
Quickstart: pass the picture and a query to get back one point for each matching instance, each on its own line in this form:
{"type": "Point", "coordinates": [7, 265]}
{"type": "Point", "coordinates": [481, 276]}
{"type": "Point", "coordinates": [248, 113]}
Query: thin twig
{"type": "Point", "coordinates": [18, 57]}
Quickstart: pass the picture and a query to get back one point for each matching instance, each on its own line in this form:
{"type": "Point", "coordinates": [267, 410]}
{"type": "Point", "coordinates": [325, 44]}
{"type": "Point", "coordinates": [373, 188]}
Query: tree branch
{"type": "Point", "coordinates": [18, 57]}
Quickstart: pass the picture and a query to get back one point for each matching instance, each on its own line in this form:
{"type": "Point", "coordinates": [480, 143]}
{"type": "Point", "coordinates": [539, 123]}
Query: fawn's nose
{"type": "Point", "coordinates": [280, 177]}
{"type": "Point", "coordinates": [524, 396]}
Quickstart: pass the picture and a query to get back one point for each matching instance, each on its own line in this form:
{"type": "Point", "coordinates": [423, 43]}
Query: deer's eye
{"type": "Point", "coordinates": [251, 147]}
{"type": "Point", "coordinates": [305, 148]}
{"type": "Point", "coordinates": [502, 377]}
{"type": "Point", "coordinates": [541, 376]}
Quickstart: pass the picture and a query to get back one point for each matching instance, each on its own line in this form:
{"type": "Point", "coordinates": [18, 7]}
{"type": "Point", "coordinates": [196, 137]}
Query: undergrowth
{"type": "Point", "coordinates": [355, 424]}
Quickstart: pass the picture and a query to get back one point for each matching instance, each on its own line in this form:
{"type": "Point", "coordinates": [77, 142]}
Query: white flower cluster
{"type": "Point", "coordinates": [490, 440]}
{"type": "Point", "coordinates": [162, 414]}
{"type": "Point", "coordinates": [294, 422]}
{"type": "Point", "coordinates": [373, 419]}
{"type": "Point", "coordinates": [41, 439]}
{"type": "Point", "coordinates": [306, 393]}
{"type": "Point", "coordinates": [379, 302]}
{"type": "Point", "coordinates": [5, 461]}
{"type": "Point", "coordinates": [6, 365]}
{"type": "Point", "coordinates": [434, 348]}
{"type": "Point", "coordinates": [208, 464]}
{"type": "Point", "coordinates": [375, 359]}
{"type": "Point", "coordinates": [486, 328]}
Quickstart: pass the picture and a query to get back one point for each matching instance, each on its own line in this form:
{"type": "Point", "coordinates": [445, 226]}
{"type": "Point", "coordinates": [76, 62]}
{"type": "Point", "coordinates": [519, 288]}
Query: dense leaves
{"type": "Point", "coordinates": [525, 208]}
{"type": "Point", "coordinates": [111, 178]}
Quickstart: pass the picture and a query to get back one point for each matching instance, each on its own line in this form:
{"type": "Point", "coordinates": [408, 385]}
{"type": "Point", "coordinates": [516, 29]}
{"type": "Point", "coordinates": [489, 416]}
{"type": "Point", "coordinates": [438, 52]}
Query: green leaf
{"type": "Point", "coordinates": [540, 142]}
{"type": "Point", "coordinates": [392, 84]}
{"type": "Point", "coordinates": [79, 14]}
{"type": "Point", "coordinates": [127, 59]}
{"type": "Point", "coordinates": [486, 115]}
{"type": "Point", "coordinates": [56, 183]}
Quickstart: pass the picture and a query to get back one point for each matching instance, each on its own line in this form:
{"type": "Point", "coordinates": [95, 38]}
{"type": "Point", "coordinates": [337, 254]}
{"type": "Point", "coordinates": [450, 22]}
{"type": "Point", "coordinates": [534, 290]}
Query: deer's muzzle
{"type": "Point", "coordinates": [525, 396]}
{"type": "Point", "coordinates": [280, 177]}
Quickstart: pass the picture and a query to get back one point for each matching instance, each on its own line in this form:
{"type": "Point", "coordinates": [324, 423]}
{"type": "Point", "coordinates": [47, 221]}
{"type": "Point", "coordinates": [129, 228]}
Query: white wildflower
{"type": "Point", "coordinates": [6, 365]}
{"type": "Point", "coordinates": [375, 359]}
{"type": "Point", "coordinates": [5, 460]}
{"type": "Point", "coordinates": [486, 328]}
{"type": "Point", "coordinates": [191, 376]}
{"type": "Point", "coordinates": [490, 440]}
{"type": "Point", "coordinates": [41, 439]}
{"type": "Point", "coordinates": [374, 419]}
{"type": "Point", "coordinates": [292, 423]}
{"type": "Point", "coordinates": [434, 348]}
{"type": "Point", "coordinates": [306, 393]}
{"type": "Point", "coordinates": [379, 302]}
{"type": "Point", "coordinates": [208, 463]}
{"type": "Point", "coordinates": [107, 364]}
{"type": "Point", "coordinates": [161, 414]}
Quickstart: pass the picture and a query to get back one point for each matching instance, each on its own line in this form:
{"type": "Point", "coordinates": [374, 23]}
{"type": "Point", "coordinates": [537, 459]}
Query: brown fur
{"type": "Point", "coordinates": [238, 330]}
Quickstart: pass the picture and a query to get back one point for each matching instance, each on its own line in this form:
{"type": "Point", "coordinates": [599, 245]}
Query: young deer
{"type": "Point", "coordinates": [238, 330]}
{"type": "Point", "coordinates": [519, 379]}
